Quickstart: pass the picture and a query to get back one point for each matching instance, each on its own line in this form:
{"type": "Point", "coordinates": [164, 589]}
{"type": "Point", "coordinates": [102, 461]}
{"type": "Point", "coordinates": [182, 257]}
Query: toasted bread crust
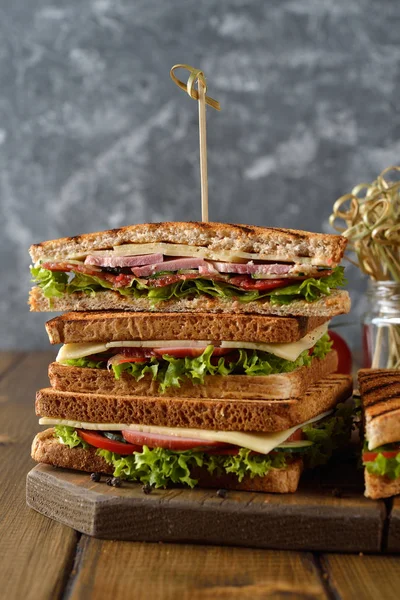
{"type": "Point", "coordinates": [377, 486]}
{"type": "Point", "coordinates": [47, 449]}
{"type": "Point", "coordinates": [285, 385]}
{"type": "Point", "coordinates": [329, 306]}
{"type": "Point", "coordinates": [210, 413]}
{"type": "Point", "coordinates": [284, 243]}
{"type": "Point", "coordinates": [100, 326]}
{"type": "Point", "coordinates": [380, 398]}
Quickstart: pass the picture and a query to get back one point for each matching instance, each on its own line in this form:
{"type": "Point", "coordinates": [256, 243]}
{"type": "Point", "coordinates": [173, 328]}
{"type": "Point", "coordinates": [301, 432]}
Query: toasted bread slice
{"type": "Point", "coordinates": [337, 303]}
{"type": "Point", "coordinates": [206, 413]}
{"type": "Point", "coordinates": [380, 398]}
{"type": "Point", "coordinates": [269, 242]}
{"type": "Point", "coordinates": [47, 449]}
{"type": "Point", "coordinates": [377, 486]}
{"type": "Point", "coordinates": [89, 327]}
{"type": "Point", "coordinates": [284, 385]}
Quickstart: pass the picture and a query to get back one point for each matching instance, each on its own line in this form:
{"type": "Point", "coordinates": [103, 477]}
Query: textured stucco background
{"type": "Point", "coordinates": [93, 134]}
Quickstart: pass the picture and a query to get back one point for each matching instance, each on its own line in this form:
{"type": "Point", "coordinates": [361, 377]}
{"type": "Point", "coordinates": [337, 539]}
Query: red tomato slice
{"type": "Point", "coordinates": [192, 352]}
{"type": "Point", "coordinates": [224, 451]}
{"type": "Point", "coordinates": [370, 456]}
{"type": "Point", "coordinates": [171, 442]}
{"type": "Point", "coordinates": [233, 451]}
{"type": "Point", "coordinates": [344, 353]}
{"type": "Point", "coordinates": [248, 283]}
{"type": "Point", "coordinates": [132, 359]}
{"type": "Point", "coordinates": [132, 352]}
{"type": "Point", "coordinates": [99, 441]}
{"type": "Point", "coordinates": [168, 279]}
{"type": "Point", "coordinates": [296, 436]}
{"type": "Point", "coordinates": [123, 280]}
{"type": "Point", "coordinates": [67, 267]}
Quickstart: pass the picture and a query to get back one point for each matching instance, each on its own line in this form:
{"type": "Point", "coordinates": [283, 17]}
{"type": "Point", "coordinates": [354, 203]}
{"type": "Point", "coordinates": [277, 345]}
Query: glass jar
{"type": "Point", "coordinates": [381, 326]}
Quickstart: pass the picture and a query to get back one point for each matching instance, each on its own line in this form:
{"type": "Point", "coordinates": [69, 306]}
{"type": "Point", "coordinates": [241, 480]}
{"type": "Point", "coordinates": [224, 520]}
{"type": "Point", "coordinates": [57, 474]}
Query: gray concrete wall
{"type": "Point", "coordinates": [93, 134]}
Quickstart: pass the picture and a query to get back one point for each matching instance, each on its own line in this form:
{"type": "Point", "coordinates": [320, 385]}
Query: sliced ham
{"type": "Point", "coordinates": [169, 265]}
{"type": "Point", "coordinates": [249, 268]}
{"type": "Point", "coordinates": [124, 261]}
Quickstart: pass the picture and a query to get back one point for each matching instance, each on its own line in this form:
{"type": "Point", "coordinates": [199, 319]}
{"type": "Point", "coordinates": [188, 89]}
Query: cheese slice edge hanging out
{"type": "Point", "coordinates": [290, 351]}
{"type": "Point", "coordinates": [259, 442]}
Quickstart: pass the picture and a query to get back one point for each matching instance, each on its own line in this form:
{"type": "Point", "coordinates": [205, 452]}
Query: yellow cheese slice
{"type": "Point", "coordinates": [198, 252]}
{"type": "Point", "coordinates": [259, 442]}
{"type": "Point", "coordinates": [290, 351]}
{"type": "Point", "coordinates": [74, 351]}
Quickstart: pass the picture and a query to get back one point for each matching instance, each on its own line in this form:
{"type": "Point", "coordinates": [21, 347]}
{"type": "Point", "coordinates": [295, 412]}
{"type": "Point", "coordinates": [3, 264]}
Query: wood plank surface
{"type": "Point", "coordinates": [42, 559]}
{"type": "Point", "coordinates": [36, 553]}
{"type": "Point", "coordinates": [362, 577]}
{"type": "Point", "coordinates": [310, 519]}
{"type": "Point", "coordinates": [393, 540]}
{"type": "Point", "coordinates": [167, 571]}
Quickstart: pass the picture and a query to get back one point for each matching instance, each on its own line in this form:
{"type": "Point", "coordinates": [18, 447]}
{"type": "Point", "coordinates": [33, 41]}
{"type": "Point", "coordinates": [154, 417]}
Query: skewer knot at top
{"type": "Point", "coordinates": [196, 75]}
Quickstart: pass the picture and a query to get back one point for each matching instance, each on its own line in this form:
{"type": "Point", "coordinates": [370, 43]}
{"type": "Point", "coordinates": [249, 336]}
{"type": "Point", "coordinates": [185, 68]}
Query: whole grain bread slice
{"type": "Point", "coordinates": [337, 303]}
{"type": "Point", "coordinates": [377, 486]}
{"type": "Point", "coordinates": [204, 413]}
{"type": "Point", "coordinates": [47, 449]}
{"type": "Point", "coordinates": [100, 326]}
{"type": "Point", "coordinates": [282, 244]}
{"type": "Point", "coordinates": [278, 386]}
{"type": "Point", "coordinates": [380, 399]}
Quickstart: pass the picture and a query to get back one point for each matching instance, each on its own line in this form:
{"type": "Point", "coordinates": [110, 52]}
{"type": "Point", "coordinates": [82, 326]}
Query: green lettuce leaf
{"type": "Point", "coordinates": [55, 284]}
{"type": "Point", "coordinates": [328, 435]}
{"type": "Point", "coordinates": [309, 289]}
{"type": "Point", "coordinates": [86, 363]}
{"type": "Point", "coordinates": [389, 467]}
{"type": "Point", "coordinates": [170, 371]}
{"type": "Point", "coordinates": [159, 466]}
{"type": "Point", "coordinates": [69, 436]}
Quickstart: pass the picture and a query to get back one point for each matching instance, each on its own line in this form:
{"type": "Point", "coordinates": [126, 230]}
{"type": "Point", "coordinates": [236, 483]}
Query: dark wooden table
{"type": "Point", "coordinates": [43, 559]}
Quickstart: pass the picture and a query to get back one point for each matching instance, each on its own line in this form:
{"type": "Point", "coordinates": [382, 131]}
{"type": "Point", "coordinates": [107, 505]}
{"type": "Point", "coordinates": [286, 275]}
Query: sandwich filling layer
{"type": "Point", "coordinates": [169, 363]}
{"type": "Point", "coordinates": [160, 456]}
{"type": "Point", "coordinates": [159, 277]}
{"type": "Point", "coordinates": [383, 460]}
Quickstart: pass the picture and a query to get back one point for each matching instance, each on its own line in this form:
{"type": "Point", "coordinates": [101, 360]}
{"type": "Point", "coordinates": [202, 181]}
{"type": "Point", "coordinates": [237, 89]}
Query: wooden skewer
{"type": "Point", "coordinates": [203, 151]}
{"type": "Point", "coordinates": [198, 76]}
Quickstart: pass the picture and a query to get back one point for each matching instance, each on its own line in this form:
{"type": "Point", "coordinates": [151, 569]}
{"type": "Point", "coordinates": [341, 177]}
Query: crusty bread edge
{"type": "Point", "coordinates": [277, 386]}
{"type": "Point", "coordinates": [337, 303]}
{"type": "Point", "coordinates": [103, 326]}
{"type": "Point", "coordinates": [47, 449]}
{"type": "Point", "coordinates": [377, 486]}
{"type": "Point", "coordinates": [209, 413]}
{"type": "Point", "coordinates": [285, 243]}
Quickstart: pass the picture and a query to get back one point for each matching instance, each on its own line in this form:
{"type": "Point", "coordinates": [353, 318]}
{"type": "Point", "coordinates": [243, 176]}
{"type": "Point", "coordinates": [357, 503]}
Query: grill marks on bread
{"type": "Point", "coordinates": [380, 390]}
{"type": "Point", "coordinates": [380, 398]}
{"type": "Point", "coordinates": [217, 414]}
{"type": "Point", "coordinates": [216, 236]}
{"type": "Point", "coordinates": [282, 385]}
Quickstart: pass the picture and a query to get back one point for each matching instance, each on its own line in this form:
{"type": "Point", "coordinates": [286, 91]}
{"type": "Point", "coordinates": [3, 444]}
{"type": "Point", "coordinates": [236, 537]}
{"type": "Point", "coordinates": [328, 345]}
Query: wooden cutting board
{"type": "Point", "coordinates": [320, 516]}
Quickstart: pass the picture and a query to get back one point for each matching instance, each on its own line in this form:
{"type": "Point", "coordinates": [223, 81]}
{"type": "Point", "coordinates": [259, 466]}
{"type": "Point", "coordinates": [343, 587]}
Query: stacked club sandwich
{"type": "Point", "coordinates": [380, 403]}
{"type": "Point", "coordinates": [201, 357]}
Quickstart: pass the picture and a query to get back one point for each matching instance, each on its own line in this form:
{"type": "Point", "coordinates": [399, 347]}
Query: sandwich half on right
{"type": "Point", "coordinates": [380, 402]}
